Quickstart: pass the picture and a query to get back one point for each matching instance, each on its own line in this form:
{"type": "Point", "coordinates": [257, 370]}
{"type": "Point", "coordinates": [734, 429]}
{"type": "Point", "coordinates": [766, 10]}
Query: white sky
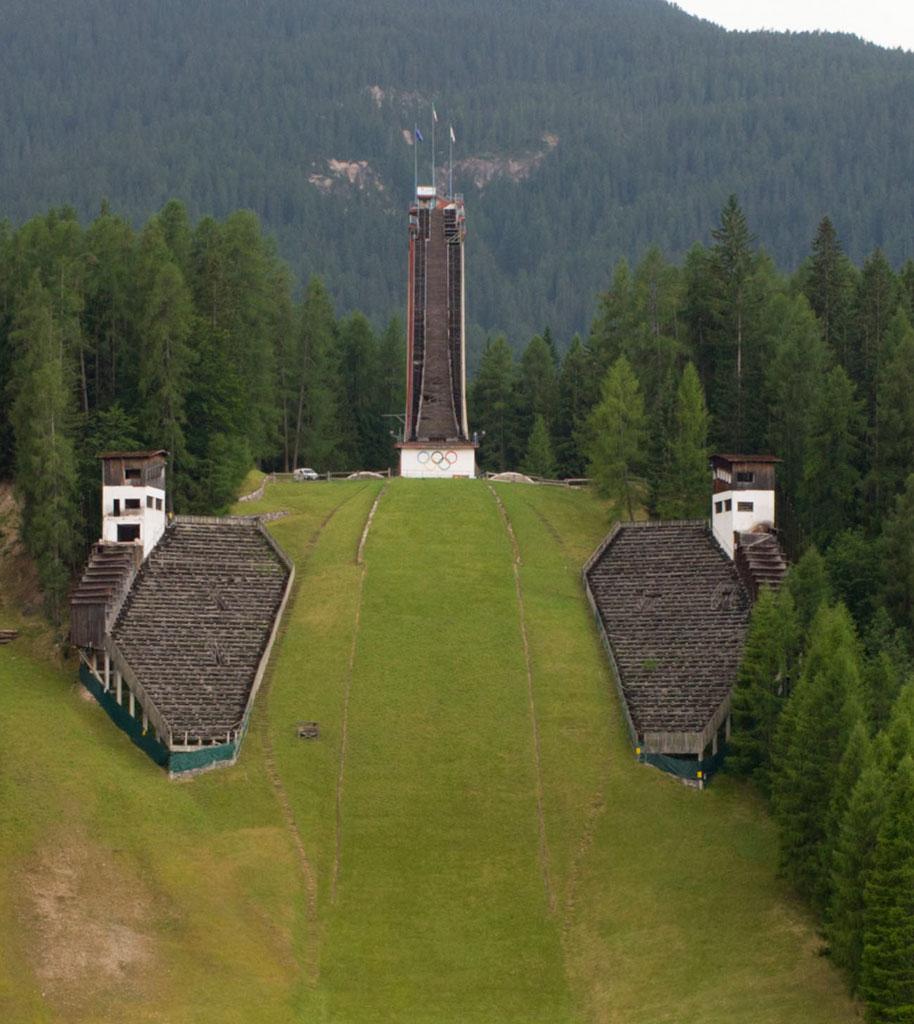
{"type": "Point", "coordinates": [886, 22]}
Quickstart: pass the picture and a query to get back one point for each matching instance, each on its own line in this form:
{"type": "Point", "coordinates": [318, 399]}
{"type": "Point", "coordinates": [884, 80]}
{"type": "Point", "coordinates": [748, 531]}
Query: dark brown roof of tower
{"type": "Point", "coordinates": [197, 621]}
{"type": "Point", "coordinates": [675, 615]}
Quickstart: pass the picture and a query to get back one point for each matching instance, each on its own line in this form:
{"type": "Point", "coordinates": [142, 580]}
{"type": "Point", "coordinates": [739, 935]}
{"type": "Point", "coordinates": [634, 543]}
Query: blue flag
{"type": "Point", "coordinates": [419, 135]}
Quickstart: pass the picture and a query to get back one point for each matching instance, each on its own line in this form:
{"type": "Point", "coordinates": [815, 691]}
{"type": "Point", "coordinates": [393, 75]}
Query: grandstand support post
{"type": "Point", "coordinates": [118, 684]}
{"type": "Point", "coordinates": [132, 702]}
{"type": "Point", "coordinates": [107, 671]}
{"type": "Point", "coordinates": [714, 745]}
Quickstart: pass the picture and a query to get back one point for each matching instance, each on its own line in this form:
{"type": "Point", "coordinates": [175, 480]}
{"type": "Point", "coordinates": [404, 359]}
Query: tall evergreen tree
{"type": "Point", "coordinates": [317, 396]}
{"type": "Point", "coordinates": [493, 406]}
{"type": "Point", "coordinates": [732, 261]}
{"type": "Point", "coordinates": [852, 861]}
{"type": "Point", "coordinates": [899, 555]}
{"type": "Point", "coordinates": [573, 405]}
{"type": "Point", "coordinates": [617, 439]}
{"type": "Point", "coordinates": [812, 736]}
{"type": "Point", "coordinates": [892, 433]}
{"type": "Point", "coordinates": [809, 586]}
{"type": "Point", "coordinates": [42, 415]}
{"type": "Point", "coordinates": [887, 966]}
{"type": "Point", "coordinates": [829, 287]}
{"type": "Point", "coordinates": [829, 493]}
{"type": "Point", "coordinates": [685, 494]}
{"type": "Point", "coordinates": [165, 325]}
{"type": "Point", "coordinates": [793, 379]}
{"type": "Point", "coordinates": [763, 684]}
{"type": "Point", "coordinates": [539, 460]}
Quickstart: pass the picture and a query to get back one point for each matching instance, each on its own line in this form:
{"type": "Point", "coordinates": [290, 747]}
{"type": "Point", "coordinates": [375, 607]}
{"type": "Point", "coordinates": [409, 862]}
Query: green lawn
{"type": "Point", "coordinates": [126, 897]}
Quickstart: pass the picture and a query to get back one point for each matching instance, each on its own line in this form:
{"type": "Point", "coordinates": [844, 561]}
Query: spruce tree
{"type": "Point", "coordinates": [316, 388]}
{"type": "Point", "coordinates": [829, 287]}
{"type": "Point", "coordinates": [573, 389]}
{"type": "Point", "coordinates": [732, 260]}
{"type": "Point", "coordinates": [892, 436]}
{"type": "Point", "coordinates": [539, 460]}
{"type": "Point", "coordinates": [812, 736]}
{"type": "Point", "coordinates": [493, 409]}
{"type": "Point", "coordinates": [887, 964]}
{"type": "Point", "coordinates": [164, 368]}
{"type": "Point", "coordinates": [617, 432]}
{"type": "Point", "coordinates": [809, 585]}
{"type": "Point", "coordinates": [829, 492]}
{"type": "Point", "coordinates": [41, 414]}
{"type": "Point", "coordinates": [793, 378]}
{"type": "Point", "coordinates": [898, 552]}
{"type": "Point", "coordinates": [852, 861]}
{"type": "Point", "coordinates": [684, 494]}
{"type": "Point", "coordinates": [763, 684]}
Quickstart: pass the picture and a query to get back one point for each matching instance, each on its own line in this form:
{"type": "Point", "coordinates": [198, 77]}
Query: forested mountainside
{"type": "Point", "coordinates": [585, 131]}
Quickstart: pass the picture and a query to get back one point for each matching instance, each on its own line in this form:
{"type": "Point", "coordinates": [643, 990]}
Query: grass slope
{"type": "Point", "coordinates": [128, 898]}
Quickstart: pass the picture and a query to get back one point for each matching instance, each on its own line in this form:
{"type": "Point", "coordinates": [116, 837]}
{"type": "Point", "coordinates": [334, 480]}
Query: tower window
{"type": "Point", "coordinates": [117, 506]}
{"type": "Point", "coordinates": [132, 503]}
{"type": "Point", "coordinates": [718, 506]}
{"type": "Point", "coordinates": [148, 501]}
{"type": "Point", "coordinates": [745, 506]}
{"type": "Point", "coordinates": [132, 474]}
{"type": "Point", "coordinates": [129, 532]}
{"type": "Point", "coordinates": [728, 505]}
{"type": "Point", "coordinates": [745, 478]}
{"type": "Point", "coordinates": [158, 504]}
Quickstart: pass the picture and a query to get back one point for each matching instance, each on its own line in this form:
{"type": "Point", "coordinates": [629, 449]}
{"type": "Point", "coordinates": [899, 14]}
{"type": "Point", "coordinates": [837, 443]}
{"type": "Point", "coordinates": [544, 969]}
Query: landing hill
{"type": "Point", "coordinates": [587, 130]}
{"type": "Point", "coordinates": [468, 840]}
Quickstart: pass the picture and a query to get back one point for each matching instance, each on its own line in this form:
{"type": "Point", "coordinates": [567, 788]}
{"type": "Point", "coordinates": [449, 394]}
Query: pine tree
{"type": "Point", "coordinates": [856, 756]}
{"type": "Point", "coordinates": [41, 414]}
{"type": "Point", "coordinates": [539, 460]}
{"type": "Point", "coordinates": [685, 494]}
{"type": "Point", "coordinates": [493, 406]}
{"type": "Point", "coordinates": [732, 262]}
{"type": "Point", "coordinates": [898, 552]}
{"type": "Point", "coordinates": [875, 304]}
{"type": "Point", "coordinates": [812, 736]}
{"type": "Point", "coordinates": [165, 363]}
{"type": "Point", "coordinates": [892, 435]}
{"type": "Point", "coordinates": [809, 586]}
{"type": "Point", "coordinates": [829, 492]}
{"type": "Point", "coordinates": [829, 287]}
{"type": "Point", "coordinates": [793, 378]}
{"type": "Point", "coordinates": [763, 684]}
{"type": "Point", "coordinates": [617, 438]}
{"type": "Point", "coordinates": [887, 965]}
{"type": "Point", "coordinates": [536, 386]}
{"type": "Point", "coordinates": [573, 389]}
{"type": "Point", "coordinates": [852, 861]}
{"type": "Point", "coordinates": [316, 387]}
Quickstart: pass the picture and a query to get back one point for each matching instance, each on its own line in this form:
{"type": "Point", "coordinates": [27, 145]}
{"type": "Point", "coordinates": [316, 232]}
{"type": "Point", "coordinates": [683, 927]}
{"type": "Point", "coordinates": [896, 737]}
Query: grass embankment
{"type": "Point", "coordinates": [661, 903]}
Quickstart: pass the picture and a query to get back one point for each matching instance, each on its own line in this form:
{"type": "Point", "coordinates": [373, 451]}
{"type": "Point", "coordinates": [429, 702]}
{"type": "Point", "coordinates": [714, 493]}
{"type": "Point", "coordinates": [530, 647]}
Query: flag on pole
{"type": "Point", "coordinates": [453, 137]}
{"type": "Point", "coordinates": [419, 135]}
{"type": "Point", "coordinates": [434, 114]}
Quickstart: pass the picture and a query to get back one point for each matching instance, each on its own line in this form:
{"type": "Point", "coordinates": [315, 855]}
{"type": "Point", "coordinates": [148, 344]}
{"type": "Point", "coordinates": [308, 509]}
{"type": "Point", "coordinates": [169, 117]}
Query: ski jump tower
{"type": "Point", "coordinates": [436, 439]}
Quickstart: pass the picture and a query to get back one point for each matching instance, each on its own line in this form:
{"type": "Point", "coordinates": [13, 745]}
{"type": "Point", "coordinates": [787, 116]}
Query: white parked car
{"type": "Point", "coordinates": [304, 474]}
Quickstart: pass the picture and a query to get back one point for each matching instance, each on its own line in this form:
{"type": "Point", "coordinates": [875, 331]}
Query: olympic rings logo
{"type": "Point", "coordinates": [443, 460]}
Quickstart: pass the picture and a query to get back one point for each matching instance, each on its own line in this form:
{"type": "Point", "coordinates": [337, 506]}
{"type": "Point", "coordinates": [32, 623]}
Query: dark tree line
{"type": "Point", "coordinates": [181, 336]}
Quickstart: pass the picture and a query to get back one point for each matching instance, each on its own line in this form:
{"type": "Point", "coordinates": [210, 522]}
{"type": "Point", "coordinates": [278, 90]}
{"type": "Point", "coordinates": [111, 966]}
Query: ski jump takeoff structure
{"type": "Point", "coordinates": [175, 618]}
{"type": "Point", "coordinates": [436, 439]}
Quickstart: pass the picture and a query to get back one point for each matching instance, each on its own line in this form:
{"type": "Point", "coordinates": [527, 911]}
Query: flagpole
{"type": "Point", "coordinates": [415, 162]}
{"type": "Point", "coordinates": [450, 162]}
{"type": "Point", "coordinates": [434, 124]}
